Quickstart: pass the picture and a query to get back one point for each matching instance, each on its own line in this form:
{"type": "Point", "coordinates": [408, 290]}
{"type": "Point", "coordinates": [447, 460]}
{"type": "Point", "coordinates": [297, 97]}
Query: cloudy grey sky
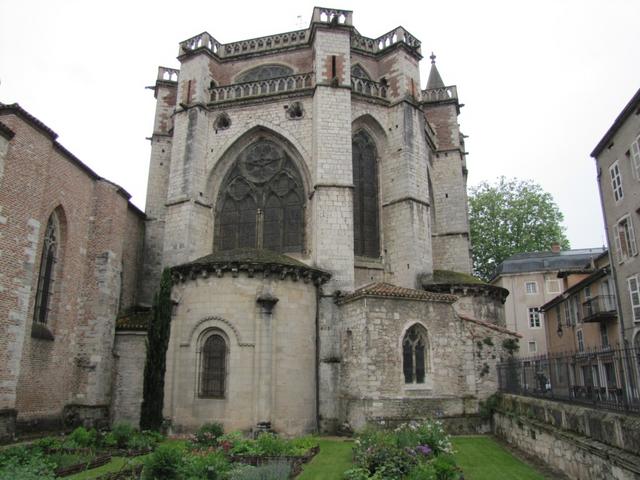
{"type": "Point", "coordinates": [541, 81]}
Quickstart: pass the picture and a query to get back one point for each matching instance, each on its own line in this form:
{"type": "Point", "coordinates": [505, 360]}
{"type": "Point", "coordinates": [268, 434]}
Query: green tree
{"type": "Point", "coordinates": [156, 361]}
{"type": "Point", "coordinates": [508, 217]}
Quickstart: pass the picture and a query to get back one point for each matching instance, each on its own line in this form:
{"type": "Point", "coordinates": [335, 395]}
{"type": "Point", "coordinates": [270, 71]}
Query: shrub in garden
{"type": "Point", "coordinates": [81, 438]}
{"type": "Point", "coordinates": [22, 463]}
{"type": "Point", "coordinates": [208, 434]}
{"type": "Point", "coordinates": [212, 466]}
{"type": "Point", "coordinates": [415, 450]}
{"type": "Point", "coordinates": [166, 463]}
{"type": "Point", "coordinates": [121, 433]}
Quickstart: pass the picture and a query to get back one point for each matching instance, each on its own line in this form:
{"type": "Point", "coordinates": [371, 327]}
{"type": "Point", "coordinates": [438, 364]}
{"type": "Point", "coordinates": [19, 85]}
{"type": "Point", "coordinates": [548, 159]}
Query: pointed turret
{"type": "Point", "coordinates": [435, 80]}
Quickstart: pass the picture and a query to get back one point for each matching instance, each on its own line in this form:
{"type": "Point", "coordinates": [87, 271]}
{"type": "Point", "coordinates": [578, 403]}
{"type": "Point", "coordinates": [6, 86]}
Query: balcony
{"type": "Point", "coordinates": [599, 309]}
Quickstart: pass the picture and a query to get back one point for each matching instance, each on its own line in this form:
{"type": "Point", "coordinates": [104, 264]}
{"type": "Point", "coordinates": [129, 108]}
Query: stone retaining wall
{"type": "Point", "coordinates": [582, 442]}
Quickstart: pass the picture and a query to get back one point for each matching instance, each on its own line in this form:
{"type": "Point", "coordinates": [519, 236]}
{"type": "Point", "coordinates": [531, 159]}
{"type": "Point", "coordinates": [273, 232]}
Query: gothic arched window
{"type": "Point", "coordinates": [415, 354]}
{"type": "Point", "coordinates": [366, 231]}
{"type": "Point", "coordinates": [261, 203]}
{"type": "Point", "coordinates": [46, 277]}
{"type": "Point", "coordinates": [213, 370]}
{"type": "Point", "coordinates": [264, 72]}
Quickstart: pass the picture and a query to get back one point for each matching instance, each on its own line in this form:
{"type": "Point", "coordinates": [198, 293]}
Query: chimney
{"type": "Point", "coordinates": [555, 247]}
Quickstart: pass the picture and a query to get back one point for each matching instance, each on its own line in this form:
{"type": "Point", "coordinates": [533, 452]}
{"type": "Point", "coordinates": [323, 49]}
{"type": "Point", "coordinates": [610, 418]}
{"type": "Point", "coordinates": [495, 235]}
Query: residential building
{"type": "Point", "coordinates": [617, 158]}
{"type": "Point", "coordinates": [532, 280]}
{"type": "Point", "coordinates": [584, 316]}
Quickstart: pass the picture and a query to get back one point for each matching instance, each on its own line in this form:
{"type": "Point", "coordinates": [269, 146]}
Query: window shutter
{"type": "Point", "coordinates": [616, 239]}
{"type": "Point", "coordinates": [635, 297]}
{"type": "Point", "coordinates": [632, 237]}
{"type": "Point", "coordinates": [635, 158]}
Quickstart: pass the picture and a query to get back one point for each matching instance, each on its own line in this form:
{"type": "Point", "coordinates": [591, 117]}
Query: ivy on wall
{"type": "Point", "coordinates": [155, 364]}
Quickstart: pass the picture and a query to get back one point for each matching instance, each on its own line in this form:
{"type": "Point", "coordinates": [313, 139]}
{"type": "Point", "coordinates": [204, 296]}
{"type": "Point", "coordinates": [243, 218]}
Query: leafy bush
{"type": "Point", "coordinates": [209, 433]}
{"type": "Point", "coordinates": [166, 463]}
{"type": "Point", "coordinates": [47, 444]}
{"type": "Point", "coordinates": [270, 445]}
{"type": "Point", "coordinates": [212, 466]}
{"type": "Point", "coordinates": [415, 450]}
{"type": "Point", "coordinates": [121, 432]}
{"type": "Point", "coordinates": [446, 468]}
{"type": "Point", "coordinates": [33, 467]}
{"type": "Point", "coordinates": [81, 438]}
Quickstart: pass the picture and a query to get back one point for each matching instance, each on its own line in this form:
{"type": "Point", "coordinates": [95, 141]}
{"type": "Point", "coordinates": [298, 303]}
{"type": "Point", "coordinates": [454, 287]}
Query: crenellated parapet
{"type": "Point", "coordinates": [441, 94]}
{"type": "Point", "coordinates": [377, 45]}
{"type": "Point", "coordinates": [166, 74]}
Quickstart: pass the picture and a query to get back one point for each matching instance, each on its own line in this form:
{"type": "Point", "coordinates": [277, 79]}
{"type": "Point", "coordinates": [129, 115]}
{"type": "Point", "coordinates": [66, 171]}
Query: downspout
{"type": "Point", "coordinates": [317, 372]}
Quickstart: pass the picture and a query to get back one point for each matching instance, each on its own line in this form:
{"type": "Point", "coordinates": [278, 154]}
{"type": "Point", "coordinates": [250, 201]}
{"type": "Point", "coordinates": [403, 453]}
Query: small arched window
{"type": "Point", "coordinates": [213, 369]}
{"type": "Point", "coordinates": [46, 276]}
{"type": "Point", "coordinates": [415, 354]}
{"type": "Point", "coordinates": [366, 231]}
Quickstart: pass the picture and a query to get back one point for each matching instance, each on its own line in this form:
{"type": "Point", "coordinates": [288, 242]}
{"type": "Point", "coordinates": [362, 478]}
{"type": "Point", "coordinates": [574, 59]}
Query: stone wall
{"type": "Point", "coordinates": [463, 354]}
{"type": "Point", "coordinates": [271, 360]}
{"type": "Point", "coordinates": [130, 354]}
{"type": "Point", "coordinates": [44, 368]}
{"type": "Point", "coordinates": [582, 442]}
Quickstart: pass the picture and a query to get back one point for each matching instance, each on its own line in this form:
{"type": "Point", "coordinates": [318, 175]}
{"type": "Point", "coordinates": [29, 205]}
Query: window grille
{"type": "Point", "coordinates": [213, 367]}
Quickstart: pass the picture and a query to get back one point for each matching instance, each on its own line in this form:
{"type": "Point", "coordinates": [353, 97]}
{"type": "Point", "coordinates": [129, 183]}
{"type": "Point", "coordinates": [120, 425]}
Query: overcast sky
{"type": "Point", "coordinates": [541, 81]}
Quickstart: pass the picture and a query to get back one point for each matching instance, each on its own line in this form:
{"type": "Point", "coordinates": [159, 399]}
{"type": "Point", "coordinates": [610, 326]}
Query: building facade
{"type": "Point", "coordinates": [70, 251]}
{"type": "Point", "coordinates": [533, 279]}
{"type": "Point", "coordinates": [306, 192]}
{"type": "Point", "coordinates": [309, 199]}
{"type": "Point", "coordinates": [617, 158]}
{"type": "Point", "coordinates": [584, 316]}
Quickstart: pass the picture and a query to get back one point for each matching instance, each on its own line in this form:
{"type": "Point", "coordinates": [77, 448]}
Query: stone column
{"type": "Point", "coordinates": [265, 360]}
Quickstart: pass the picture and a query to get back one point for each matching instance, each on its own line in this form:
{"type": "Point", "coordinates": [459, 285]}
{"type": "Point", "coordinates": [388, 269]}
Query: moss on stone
{"type": "Point", "coordinates": [451, 277]}
{"type": "Point", "coordinates": [248, 255]}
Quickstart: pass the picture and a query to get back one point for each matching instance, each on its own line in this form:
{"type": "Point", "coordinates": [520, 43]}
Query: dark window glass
{"type": "Point", "coordinates": [415, 355]}
{"type": "Point", "coordinates": [46, 277]}
{"type": "Point", "coordinates": [264, 72]}
{"type": "Point", "coordinates": [407, 362]}
{"type": "Point", "coordinates": [366, 231]}
{"type": "Point", "coordinates": [262, 205]}
{"type": "Point", "coordinates": [213, 373]}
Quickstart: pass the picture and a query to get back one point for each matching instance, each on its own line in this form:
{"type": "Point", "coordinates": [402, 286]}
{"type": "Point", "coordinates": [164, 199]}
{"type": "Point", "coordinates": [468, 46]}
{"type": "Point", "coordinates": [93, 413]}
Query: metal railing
{"type": "Point", "coordinates": [604, 377]}
{"type": "Point", "coordinates": [600, 306]}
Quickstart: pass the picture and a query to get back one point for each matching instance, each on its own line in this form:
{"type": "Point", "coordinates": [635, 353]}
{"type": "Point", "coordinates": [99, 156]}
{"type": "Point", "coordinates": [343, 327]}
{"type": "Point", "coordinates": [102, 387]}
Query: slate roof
{"type": "Point", "coordinates": [567, 260]}
{"type": "Point", "coordinates": [387, 290]}
{"type": "Point", "coordinates": [252, 260]}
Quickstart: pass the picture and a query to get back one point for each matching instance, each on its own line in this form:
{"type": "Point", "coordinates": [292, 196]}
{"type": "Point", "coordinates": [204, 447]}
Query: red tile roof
{"type": "Point", "coordinates": [388, 290]}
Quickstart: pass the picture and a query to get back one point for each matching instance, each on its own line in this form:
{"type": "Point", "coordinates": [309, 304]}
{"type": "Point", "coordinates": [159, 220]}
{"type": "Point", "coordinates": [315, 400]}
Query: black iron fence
{"type": "Point", "coordinates": [604, 377]}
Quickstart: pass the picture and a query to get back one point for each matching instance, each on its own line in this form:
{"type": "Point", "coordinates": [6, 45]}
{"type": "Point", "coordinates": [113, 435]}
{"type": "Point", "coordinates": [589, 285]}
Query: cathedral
{"type": "Point", "coordinates": [310, 199]}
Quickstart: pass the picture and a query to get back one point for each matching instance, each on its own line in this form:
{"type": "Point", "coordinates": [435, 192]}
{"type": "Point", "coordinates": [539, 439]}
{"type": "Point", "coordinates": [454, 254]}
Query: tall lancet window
{"type": "Point", "coordinates": [415, 354]}
{"type": "Point", "coordinates": [261, 204]}
{"type": "Point", "coordinates": [46, 277]}
{"type": "Point", "coordinates": [366, 229]}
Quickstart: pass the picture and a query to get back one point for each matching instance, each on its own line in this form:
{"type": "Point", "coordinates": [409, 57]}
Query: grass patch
{"type": "Point", "coordinates": [482, 458]}
{"type": "Point", "coordinates": [331, 462]}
